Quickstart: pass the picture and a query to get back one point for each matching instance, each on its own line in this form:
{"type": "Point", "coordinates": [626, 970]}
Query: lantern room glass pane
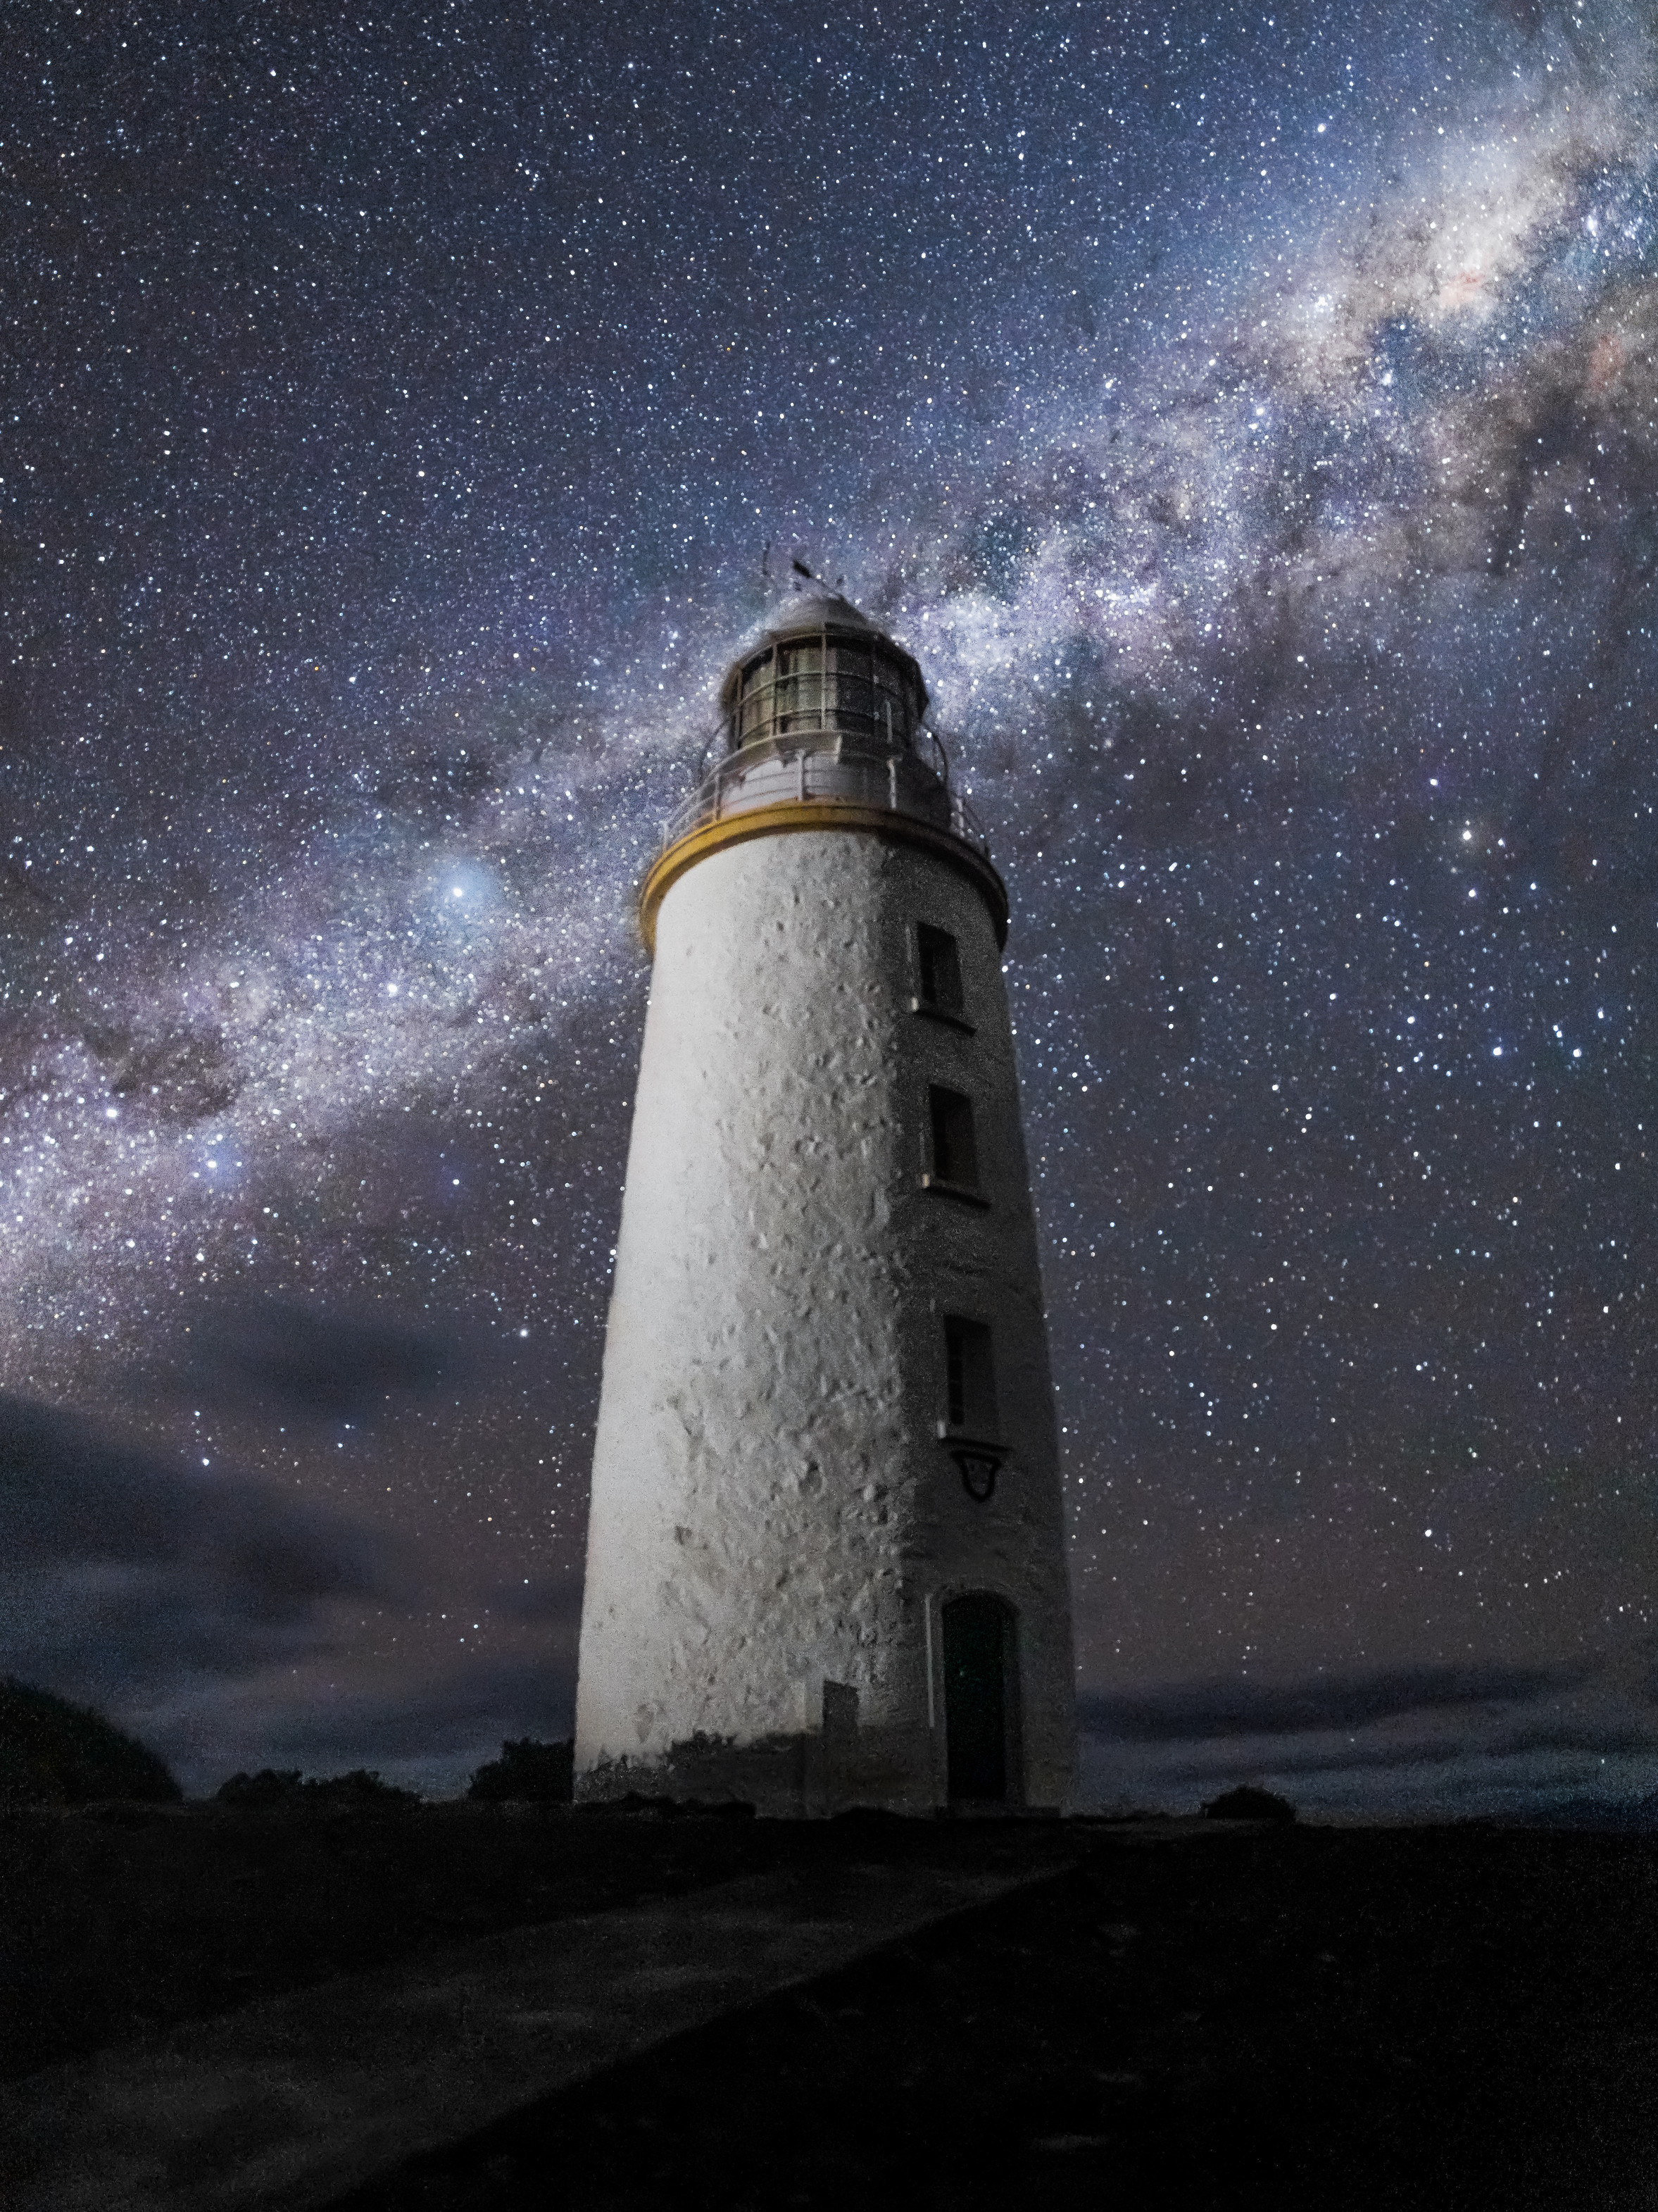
{"type": "Point", "coordinates": [755, 706]}
{"type": "Point", "coordinates": [854, 705]}
{"type": "Point", "coordinates": [799, 686]}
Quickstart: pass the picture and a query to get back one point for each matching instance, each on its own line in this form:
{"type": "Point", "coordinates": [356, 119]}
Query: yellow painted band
{"type": "Point", "coordinates": [790, 815]}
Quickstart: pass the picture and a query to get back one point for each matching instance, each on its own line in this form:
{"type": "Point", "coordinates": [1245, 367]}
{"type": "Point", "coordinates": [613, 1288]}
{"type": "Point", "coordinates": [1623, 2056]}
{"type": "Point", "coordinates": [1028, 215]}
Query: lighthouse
{"type": "Point", "coordinates": [826, 1556]}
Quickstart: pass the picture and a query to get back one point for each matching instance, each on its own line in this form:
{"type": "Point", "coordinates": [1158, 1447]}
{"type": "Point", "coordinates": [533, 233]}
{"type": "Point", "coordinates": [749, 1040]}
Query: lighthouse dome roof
{"type": "Point", "coordinates": [811, 600]}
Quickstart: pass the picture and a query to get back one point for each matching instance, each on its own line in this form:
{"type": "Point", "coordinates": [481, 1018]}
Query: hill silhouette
{"type": "Point", "coordinates": [53, 1752]}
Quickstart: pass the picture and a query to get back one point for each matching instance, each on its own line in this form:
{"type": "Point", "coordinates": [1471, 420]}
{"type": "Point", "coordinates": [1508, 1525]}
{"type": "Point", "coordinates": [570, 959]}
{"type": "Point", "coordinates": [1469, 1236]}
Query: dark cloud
{"type": "Point", "coordinates": [1593, 1736]}
{"type": "Point", "coordinates": [441, 1721]}
{"type": "Point", "coordinates": [117, 1569]}
{"type": "Point", "coordinates": [1193, 1712]}
{"type": "Point", "coordinates": [213, 1614]}
{"type": "Point", "coordinates": [311, 1361]}
{"type": "Point", "coordinates": [1435, 1741]}
{"type": "Point", "coordinates": [548, 1601]}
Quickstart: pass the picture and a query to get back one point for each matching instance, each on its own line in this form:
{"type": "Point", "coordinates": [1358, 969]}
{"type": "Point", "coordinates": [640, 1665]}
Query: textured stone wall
{"type": "Point", "coordinates": [772, 1508]}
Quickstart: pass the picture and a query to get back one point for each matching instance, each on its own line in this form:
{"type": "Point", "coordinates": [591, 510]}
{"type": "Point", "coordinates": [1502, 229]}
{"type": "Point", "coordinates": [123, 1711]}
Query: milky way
{"type": "Point", "coordinates": [1250, 423]}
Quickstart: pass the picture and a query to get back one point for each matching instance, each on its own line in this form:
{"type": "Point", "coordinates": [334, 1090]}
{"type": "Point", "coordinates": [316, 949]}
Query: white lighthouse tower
{"type": "Point", "coordinates": [826, 1557]}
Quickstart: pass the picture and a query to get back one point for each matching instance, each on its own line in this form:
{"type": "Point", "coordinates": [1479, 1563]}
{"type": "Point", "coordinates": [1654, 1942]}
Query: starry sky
{"type": "Point", "coordinates": [1250, 421]}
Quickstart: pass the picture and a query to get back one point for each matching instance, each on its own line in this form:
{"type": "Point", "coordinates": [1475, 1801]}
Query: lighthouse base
{"type": "Point", "coordinates": [810, 1776]}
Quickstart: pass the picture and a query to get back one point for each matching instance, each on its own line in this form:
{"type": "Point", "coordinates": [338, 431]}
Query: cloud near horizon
{"type": "Point", "coordinates": [315, 1364]}
{"type": "Point", "coordinates": [1430, 1741]}
{"type": "Point", "coordinates": [118, 1567]}
{"type": "Point", "coordinates": [212, 1612]}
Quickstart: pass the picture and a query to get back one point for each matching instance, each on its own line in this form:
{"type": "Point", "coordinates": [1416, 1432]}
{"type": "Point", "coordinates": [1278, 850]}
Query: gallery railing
{"type": "Point", "coordinates": [856, 771]}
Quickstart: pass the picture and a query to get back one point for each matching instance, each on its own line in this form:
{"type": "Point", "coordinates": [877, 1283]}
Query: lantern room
{"type": "Point", "coordinates": [830, 673]}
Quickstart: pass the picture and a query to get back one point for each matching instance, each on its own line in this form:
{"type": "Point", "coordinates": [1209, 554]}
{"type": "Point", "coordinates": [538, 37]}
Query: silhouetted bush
{"type": "Point", "coordinates": [267, 1787]}
{"type": "Point", "coordinates": [321, 1793]}
{"type": "Point", "coordinates": [526, 1772]}
{"type": "Point", "coordinates": [1247, 1804]}
{"type": "Point", "coordinates": [360, 1788]}
{"type": "Point", "coordinates": [52, 1753]}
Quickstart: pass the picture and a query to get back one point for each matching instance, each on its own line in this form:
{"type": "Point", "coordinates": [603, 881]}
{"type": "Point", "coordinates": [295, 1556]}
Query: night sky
{"type": "Point", "coordinates": [1250, 421]}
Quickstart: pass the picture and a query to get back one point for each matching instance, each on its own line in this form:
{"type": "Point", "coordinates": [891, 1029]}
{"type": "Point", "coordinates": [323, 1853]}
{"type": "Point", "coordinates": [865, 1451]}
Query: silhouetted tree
{"type": "Point", "coordinates": [52, 1753]}
{"type": "Point", "coordinates": [538, 1774]}
{"type": "Point", "coordinates": [1249, 1803]}
{"type": "Point", "coordinates": [361, 1789]}
{"type": "Point", "coordinates": [267, 1787]}
{"type": "Point", "coordinates": [270, 1786]}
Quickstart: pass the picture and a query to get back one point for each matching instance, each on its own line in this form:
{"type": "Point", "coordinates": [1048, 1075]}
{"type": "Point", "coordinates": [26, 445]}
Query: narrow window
{"type": "Point", "coordinates": [955, 1155]}
{"type": "Point", "coordinates": [969, 1378]}
{"type": "Point", "coordinates": [939, 966]}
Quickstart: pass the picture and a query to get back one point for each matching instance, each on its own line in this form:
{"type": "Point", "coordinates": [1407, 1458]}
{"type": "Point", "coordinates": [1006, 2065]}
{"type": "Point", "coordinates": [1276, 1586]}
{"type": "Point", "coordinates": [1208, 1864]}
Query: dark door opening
{"type": "Point", "coordinates": [980, 1690]}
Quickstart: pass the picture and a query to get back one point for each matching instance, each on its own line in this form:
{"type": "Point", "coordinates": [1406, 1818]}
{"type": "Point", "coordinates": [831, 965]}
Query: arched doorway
{"type": "Point", "coordinates": [982, 1691]}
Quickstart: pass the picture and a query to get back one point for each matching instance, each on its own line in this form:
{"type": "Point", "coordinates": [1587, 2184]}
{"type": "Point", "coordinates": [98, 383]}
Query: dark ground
{"type": "Point", "coordinates": [118, 1920]}
{"type": "Point", "coordinates": [1194, 2017]}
